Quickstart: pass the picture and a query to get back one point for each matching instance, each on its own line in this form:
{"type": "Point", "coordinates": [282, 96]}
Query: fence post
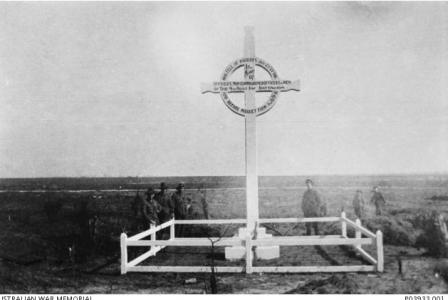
{"type": "Point", "coordinates": [343, 225]}
{"type": "Point", "coordinates": [248, 254]}
{"type": "Point", "coordinates": [124, 253]}
{"type": "Point", "coordinates": [172, 229]}
{"type": "Point", "coordinates": [379, 249]}
{"type": "Point", "coordinates": [153, 235]}
{"type": "Point", "coordinates": [358, 233]}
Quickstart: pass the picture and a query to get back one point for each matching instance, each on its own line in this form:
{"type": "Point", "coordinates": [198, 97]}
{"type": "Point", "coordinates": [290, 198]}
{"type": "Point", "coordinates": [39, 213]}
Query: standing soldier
{"type": "Point", "coordinates": [180, 202]}
{"type": "Point", "coordinates": [378, 200]}
{"type": "Point", "coordinates": [165, 201]}
{"type": "Point", "coordinates": [180, 205]}
{"type": "Point", "coordinates": [167, 208]}
{"type": "Point", "coordinates": [312, 207]}
{"type": "Point", "coordinates": [358, 204]}
{"type": "Point", "coordinates": [204, 203]}
{"type": "Point", "coordinates": [151, 208]}
{"type": "Point", "coordinates": [137, 209]}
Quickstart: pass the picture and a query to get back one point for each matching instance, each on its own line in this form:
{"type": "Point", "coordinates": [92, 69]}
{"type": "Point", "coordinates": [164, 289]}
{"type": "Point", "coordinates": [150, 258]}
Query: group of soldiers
{"type": "Point", "coordinates": [313, 205]}
{"type": "Point", "coordinates": [155, 208]}
{"type": "Point", "coordinates": [377, 200]}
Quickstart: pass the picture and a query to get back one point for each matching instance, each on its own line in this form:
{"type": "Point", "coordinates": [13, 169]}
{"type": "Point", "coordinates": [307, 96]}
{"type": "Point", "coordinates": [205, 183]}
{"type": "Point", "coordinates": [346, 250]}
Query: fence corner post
{"type": "Point", "coordinates": [124, 253]}
{"type": "Point", "coordinates": [358, 233]}
{"type": "Point", "coordinates": [173, 229]}
{"type": "Point", "coordinates": [379, 247]}
{"type": "Point", "coordinates": [153, 235]}
{"type": "Point", "coordinates": [249, 254]}
{"type": "Point", "coordinates": [343, 224]}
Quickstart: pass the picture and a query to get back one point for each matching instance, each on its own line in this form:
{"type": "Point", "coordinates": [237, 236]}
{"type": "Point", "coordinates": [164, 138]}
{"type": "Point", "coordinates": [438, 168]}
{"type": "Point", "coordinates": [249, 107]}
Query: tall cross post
{"type": "Point", "coordinates": [251, 134]}
{"type": "Point", "coordinates": [250, 111]}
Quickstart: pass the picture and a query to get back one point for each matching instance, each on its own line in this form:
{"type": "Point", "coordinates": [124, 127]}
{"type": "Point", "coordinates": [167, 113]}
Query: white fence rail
{"type": "Point", "coordinates": [377, 264]}
{"type": "Point", "coordinates": [196, 222]}
{"type": "Point", "coordinates": [151, 230]}
{"type": "Point", "coordinates": [299, 220]}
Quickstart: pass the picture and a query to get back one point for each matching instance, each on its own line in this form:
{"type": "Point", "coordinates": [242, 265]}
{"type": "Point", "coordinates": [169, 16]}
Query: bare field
{"type": "Point", "coordinates": [37, 236]}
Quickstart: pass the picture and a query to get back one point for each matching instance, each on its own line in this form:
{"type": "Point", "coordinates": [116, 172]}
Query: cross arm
{"type": "Point", "coordinates": [206, 87]}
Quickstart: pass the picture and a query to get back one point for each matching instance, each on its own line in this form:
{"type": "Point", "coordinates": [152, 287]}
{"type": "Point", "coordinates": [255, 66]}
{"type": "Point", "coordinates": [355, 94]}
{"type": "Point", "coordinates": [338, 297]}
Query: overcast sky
{"type": "Point", "coordinates": [113, 89]}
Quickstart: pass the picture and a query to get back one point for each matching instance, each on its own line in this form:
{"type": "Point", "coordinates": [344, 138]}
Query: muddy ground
{"type": "Point", "coordinates": [45, 277]}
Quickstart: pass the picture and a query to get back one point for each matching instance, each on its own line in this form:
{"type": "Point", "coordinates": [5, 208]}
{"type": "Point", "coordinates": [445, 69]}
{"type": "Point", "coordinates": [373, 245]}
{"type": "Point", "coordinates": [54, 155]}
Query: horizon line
{"type": "Point", "coordinates": [290, 175]}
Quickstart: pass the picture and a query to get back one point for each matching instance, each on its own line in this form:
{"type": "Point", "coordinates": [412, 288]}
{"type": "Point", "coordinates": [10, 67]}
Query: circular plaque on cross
{"type": "Point", "coordinates": [249, 85]}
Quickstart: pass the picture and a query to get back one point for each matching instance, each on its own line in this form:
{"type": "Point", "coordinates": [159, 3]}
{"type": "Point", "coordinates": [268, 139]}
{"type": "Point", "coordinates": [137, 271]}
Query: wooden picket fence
{"type": "Point", "coordinates": [363, 236]}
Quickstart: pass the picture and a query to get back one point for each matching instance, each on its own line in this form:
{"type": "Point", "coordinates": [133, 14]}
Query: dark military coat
{"type": "Point", "coordinates": [166, 202]}
{"type": "Point", "coordinates": [180, 202]}
{"type": "Point", "coordinates": [312, 204]}
{"type": "Point", "coordinates": [151, 210]}
{"type": "Point", "coordinates": [378, 199]}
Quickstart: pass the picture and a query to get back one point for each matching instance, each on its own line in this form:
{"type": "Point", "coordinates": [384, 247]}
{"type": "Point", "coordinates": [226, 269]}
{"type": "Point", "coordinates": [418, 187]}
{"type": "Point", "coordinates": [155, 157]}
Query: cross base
{"type": "Point", "coordinates": [261, 252]}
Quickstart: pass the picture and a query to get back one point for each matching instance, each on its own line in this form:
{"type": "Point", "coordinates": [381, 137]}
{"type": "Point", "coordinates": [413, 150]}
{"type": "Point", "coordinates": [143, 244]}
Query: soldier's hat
{"type": "Point", "coordinates": [180, 185]}
{"type": "Point", "coordinates": [150, 191]}
{"type": "Point", "coordinates": [309, 181]}
{"type": "Point", "coordinates": [163, 186]}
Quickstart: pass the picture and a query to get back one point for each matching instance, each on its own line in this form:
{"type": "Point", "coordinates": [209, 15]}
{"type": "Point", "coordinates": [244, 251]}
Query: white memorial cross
{"type": "Point", "coordinates": [249, 87]}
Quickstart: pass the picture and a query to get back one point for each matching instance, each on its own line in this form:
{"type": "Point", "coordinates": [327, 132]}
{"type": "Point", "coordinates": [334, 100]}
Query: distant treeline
{"type": "Point", "coordinates": [193, 182]}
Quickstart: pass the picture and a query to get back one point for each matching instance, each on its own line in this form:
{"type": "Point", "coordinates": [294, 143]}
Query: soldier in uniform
{"type": "Point", "coordinates": [204, 203]}
{"type": "Point", "coordinates": [180, 205]}
{"type": "Point", "coordinates": [180, 202]}
{"type": "Point", "coordinates": [151, 208]}
{"type": "Point", "coordinates": [166, 203]}
{"type": "Point", "coordinates": [312, 207]}
{"type": "Point", "coordinates": [378, 200]}
{"type": "Point", "coordinates": [358, 204]}
{"type": "Point", "coordinates": [167, 208]}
